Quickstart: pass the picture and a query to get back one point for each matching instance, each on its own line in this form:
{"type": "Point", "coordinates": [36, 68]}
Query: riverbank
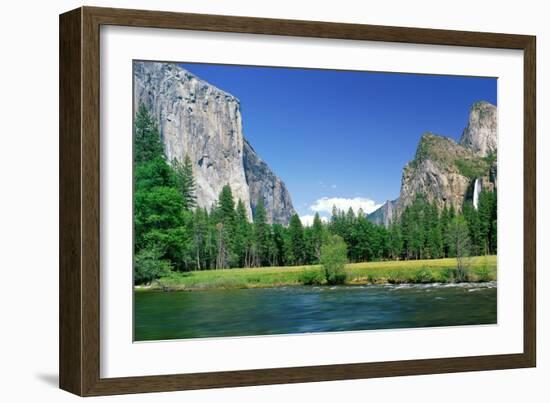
{"type": "Point", "coordinates": [481, 269]}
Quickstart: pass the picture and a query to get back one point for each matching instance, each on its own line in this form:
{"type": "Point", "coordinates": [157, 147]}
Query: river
{"type": "Point", "coordinates": [297, 309]}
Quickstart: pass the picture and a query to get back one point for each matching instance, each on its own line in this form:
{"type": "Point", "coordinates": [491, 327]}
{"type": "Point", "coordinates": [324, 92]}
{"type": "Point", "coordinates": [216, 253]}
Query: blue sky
{"type": "Point", "coordinates": [341, 136]}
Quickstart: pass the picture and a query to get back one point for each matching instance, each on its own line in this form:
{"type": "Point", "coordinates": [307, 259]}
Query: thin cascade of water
{"type": "Point", "coordinates": [477, 190]}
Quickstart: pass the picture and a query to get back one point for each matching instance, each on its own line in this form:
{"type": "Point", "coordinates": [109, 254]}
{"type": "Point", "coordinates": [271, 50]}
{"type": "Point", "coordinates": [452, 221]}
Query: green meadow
{"type": "Point", "coordinates": [480, 268]}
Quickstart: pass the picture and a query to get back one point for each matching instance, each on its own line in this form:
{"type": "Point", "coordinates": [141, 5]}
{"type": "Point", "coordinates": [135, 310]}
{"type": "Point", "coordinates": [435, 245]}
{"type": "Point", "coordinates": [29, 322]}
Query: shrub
{"type": "Point", "coordinates": [483, 273]}
{"type": "Point", "coordinates": [424, 276]}
{"type": "Point", "coordinates": [446, 275]}
{"type": "Point", "coordinates": [334, 259]}
{"type": "Point", "coordinates": [311, 277]}
{"type": "Point", "coordinates": [149, 266]}
{"type": "Point", "coordinates": [337, 278]}
{"type": "Point", "coordinates": [394, 278]}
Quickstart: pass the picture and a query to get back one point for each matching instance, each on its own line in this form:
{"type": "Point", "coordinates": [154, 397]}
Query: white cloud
{"type": "Point", "coordinates": [325, 204]}
{"type": "Point", "coordinates": [307, 220]}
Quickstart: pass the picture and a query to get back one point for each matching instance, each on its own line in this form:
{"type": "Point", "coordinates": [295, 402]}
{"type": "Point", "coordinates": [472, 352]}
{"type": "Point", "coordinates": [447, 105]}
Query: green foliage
{"type": "Point", "coordinates": [490, 159]}
{"type": "Point", "coordinates": [424, 276]}
{"type": "Point", "coordinates": [474, 229]}
{"type": "Point", "coordinates": [311, 277]}
{"type": "Point", "coordinates": [395, 277]}
{"type": "Point", "coordinates": [446, 275]}
{"type": "Point", "coordinates": [296, 237]}
{"type": "Point", "coordinates": [147, 144]}
{"type": "Point", "coordinates": [153, 173]}
{"type": "Point", "coordinates": [472, 167]}
{"type": "Point", "coordinates": [243, 235]}
{"type": "Point", "coordinates": [279, 234]}
{"type": "Point", "coordinates": [185, 182]}
{"type": "Point", "coordinates": [460, 243]}
{"type": "Point", "coordinates": [224, 217]}
{"type": "Point", "coordinates": [261, 235]}
{"type": "Point", "coordinates": [483, 274]}
{"type": "Point", "coordinates": [200, 234]}
{"type": "Point", "coordinates": [416, 222]}
{"type": "Point", "coordinates": [317, 236]}
{"type": "Point", "coordinates": [149, 265]}
{"type": "Point", "coordinates": [334, 259]}
{"type": "Point", "coordinates": [396, 272]}
{"type": "Point", "coordinates": [157, 208]}
{"type": "Point", "coordinates": [395, 239]}
{"type": "Point", "coordinates": [172, 233]}
{"type": "Point", "coordinates": [482, 271]}
{"type": "Point", "coordinates": [161, 234]}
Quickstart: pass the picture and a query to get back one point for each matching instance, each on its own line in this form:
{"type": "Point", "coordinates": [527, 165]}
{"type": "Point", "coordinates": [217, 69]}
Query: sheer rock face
{"type": "Point", "coordinates": [480, 135]}
{"type": "Point", "coordinates": [435, 174]}
{"type": "Point", "coordinates": [443, 172]}
{"type": "Point", "coordinates": [197, 119]}
{"type": "Point", "coordinates": [264, 184]}
{"type": "Point", "coordinates": [384, 215]}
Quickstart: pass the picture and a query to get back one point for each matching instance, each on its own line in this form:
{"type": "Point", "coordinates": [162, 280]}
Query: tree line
{"type": "Point", "coordinates": [171, 233]}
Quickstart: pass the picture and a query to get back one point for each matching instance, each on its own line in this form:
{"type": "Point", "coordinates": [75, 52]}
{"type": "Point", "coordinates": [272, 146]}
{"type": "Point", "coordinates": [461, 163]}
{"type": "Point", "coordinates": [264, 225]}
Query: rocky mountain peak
{"type": "Point", "coordinates": [480, 135]}
{"type": "Point", "coordinates": [444, 171]}
{"type": "Point", "coordinates": [438, 148]}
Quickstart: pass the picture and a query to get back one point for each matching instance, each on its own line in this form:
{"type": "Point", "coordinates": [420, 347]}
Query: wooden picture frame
{"type": "Point", "coordinates": [80, 186]}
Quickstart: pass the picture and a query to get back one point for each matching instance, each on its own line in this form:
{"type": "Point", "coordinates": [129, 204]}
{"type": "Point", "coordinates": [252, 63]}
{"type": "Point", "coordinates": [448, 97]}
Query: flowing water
{"type": "Point", "coordinates": [297, 309]}
{"type": "Point", "coordinates": [477, 191]}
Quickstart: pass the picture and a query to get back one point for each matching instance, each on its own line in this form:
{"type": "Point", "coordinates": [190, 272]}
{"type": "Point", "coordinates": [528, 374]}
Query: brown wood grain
{"type": "Point", "coordinates": [79, 276]}
{"type": "Point", "coordinates": [70, 271]}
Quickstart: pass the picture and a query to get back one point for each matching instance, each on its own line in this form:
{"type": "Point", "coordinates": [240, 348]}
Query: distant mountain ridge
{"type": "Point", "coordinates": [200, 120]}
{"type": "Point", "coordinates": [444, 171]}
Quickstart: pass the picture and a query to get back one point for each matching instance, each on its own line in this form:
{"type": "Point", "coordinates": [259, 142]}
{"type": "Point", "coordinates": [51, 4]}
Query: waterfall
{"type": "Point", "coordinates": [477, 189]}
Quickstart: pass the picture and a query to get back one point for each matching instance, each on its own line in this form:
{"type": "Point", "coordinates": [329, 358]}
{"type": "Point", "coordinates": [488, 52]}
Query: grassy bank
{"type": "Point", "coordinates": [482, 268]}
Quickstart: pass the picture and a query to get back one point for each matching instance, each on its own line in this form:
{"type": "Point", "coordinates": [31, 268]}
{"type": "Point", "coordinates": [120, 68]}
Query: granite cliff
{"type": "Point", "coordinates": [444, 171]}
{"type": "Point", "coordinates": [264, 184]}
{"type": "Point", "coordinates": [384, 215]}
{"type": "Point", "coordinates": [199, 120]}
{"type": "Point", "coordinates": [480, 135]}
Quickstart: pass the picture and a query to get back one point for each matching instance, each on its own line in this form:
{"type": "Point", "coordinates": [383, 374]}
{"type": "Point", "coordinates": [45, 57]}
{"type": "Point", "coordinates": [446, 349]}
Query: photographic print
{"type": "Point", "coordinates": [274, 200]}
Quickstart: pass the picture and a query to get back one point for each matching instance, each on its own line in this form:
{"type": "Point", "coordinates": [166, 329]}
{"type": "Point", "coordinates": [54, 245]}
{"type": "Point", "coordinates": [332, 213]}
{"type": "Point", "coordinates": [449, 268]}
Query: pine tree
{"type": "Point", "coordinates": [317, 236]}
{"type": "Point", "coordinates": [309, 249]}
{"type": "Point", "coordinates": [147, 143]}
{"type": "Point", "coordinates": [395, 240]}
{"type": "Point", "coordinates": [472, 218]}
{"type": "Point", "coordinates": [200, 236]}
{"type": "Point", "coordinates": [487, 214]}
{"type": "Point", "coordinates": [279, 234]}
{"type": "Point", "coordinates": [225, 228]}
{"type": "Point", "coordinates": [161, 227]}
{"type": "Point", "coordinates": [271, 247]}
{"type": "Point", "coordinates": [434, 242]}
{"type": "Point", "coordinates": [226, 206]}
{"type": "Point", "coordinates": [359, 241]}
{"type": "Point", "coordinates": [242, 235]}
{"type": "Point", "coordinates": [186, 182]}
{"type": "Point", "coordinates": [261, 234]}
{"type": "Point", "coordinates": [413, 229]}
{"type": "Point", "coordinates": [296, 234]}
{"type": "Point", "coordinates": [494, 238]}
{"type": "Point", "coordinates": [382, 241]}
{"type": "Point", "coordinates": [444, 227]}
